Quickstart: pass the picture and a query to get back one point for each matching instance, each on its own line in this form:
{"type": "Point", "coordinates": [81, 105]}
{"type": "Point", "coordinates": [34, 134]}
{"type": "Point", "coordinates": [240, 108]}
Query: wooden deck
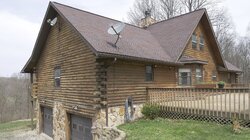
{"type": "Point", "coordinates": [227, 103]}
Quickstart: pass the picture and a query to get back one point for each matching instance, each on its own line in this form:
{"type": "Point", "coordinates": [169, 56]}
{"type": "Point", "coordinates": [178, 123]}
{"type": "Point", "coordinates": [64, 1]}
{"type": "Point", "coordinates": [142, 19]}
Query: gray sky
{"type": "Point", "coordinates": [21, 21]}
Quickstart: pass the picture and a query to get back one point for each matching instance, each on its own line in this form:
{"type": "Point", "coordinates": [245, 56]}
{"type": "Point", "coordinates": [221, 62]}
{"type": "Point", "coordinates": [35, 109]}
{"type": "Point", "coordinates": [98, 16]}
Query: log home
{"type": "Point", "coordinates": [81, 80]}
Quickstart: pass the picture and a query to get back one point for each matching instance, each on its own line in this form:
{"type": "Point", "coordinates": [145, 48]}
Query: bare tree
{"type": "Point", "coordinates": [14, 103]}
{"type": "Point", "coordinates": [225, 33]}
{"type": "Point", "coordinates": [137, 12]}
{"type": "Point", "coordinates": [242, 56]}
{"type": "Point", "coordinates": [170, 8]}
{"type": "Point", "coordinates": [164, 9]}
{"type": "Point", "coordinates": [192, 5]}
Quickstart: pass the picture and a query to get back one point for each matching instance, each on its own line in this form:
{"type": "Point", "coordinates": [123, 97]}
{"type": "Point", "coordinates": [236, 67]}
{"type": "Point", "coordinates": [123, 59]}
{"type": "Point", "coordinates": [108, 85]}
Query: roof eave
{"type": "Point", "coordinates": [26, 69]}
{"type": "Point", "coordinates": [216, 41]}
{"type": "Point", "coordinates": [187, 40]}
{"type": "Point", "coordinates": [194, 62]}
{"type": "Point", "coordinates": [44, 29]}
{"type": "Point", "coordinates": [126, 57]}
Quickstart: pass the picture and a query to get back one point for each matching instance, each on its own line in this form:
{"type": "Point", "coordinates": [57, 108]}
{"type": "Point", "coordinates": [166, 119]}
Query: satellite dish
{"type": "Point", "coordinates": [52, 22]}
{"type": "Point", "coordinates": [116, 29]}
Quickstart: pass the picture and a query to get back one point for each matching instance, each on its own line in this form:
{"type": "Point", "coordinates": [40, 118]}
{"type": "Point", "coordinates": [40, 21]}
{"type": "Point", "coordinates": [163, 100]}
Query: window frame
{"type": "Point", "coordinates": [214, 75]}
{"type": "Point", "coordinates": [194, 41]}
{"type": "Point", "coordinates": [202, 42]}
{"type": "Point", "coordinates": [57, 76]}
{"type": "Point", "coordinates": [151, 74]}
{"type": "Point", "coordinates": [189, 76]}
{"type": "Point", "coordinates": [198, 77]}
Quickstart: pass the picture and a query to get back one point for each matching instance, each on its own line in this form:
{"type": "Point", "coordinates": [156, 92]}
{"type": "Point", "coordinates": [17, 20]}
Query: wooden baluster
{"type": "Point", "coordinates": [230, 107]}
{"type": "Point", "coordinates": [244, 104]}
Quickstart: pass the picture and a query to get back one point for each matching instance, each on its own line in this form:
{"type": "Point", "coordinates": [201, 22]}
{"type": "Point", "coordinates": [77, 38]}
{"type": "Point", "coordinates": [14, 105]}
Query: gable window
{"type": "Point", "coordinates": [198, 75]}
{"type": "Point", "coordinates": [201, 42]}
{"type": "Point", "coordinates": [194, 41]}
{"type": "Point", "coordinates": [57, 76]}
{"type": "Point", "coordinates": [184, 77]}
{"type": "Point", "coordinates": [149, 73]}
{"type": "Point", "coordinates": [214, 76]}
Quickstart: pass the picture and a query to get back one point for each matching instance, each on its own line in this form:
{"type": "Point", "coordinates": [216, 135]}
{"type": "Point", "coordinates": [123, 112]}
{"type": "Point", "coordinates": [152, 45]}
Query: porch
{"type": "Point", "coordinates": [207, 104]}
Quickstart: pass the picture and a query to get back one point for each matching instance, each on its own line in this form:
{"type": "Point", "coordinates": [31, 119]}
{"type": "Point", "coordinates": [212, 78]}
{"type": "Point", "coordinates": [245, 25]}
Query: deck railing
{"type": "Point", "coordinates": [216, 103]}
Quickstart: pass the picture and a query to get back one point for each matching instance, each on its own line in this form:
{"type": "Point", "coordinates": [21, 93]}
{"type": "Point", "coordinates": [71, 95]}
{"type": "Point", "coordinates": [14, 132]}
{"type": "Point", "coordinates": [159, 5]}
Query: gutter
{"type": "Point", "coordinates": [126, 57]}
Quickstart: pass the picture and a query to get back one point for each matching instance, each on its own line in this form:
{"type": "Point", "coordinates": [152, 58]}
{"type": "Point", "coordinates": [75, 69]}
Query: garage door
{"type": "Point", "coordinates": [47, 121]}
{"type": "Point", "coordinates": [80, 128]}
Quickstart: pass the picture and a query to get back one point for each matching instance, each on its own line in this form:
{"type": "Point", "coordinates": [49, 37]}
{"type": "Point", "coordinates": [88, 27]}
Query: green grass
{"type": "Point", "coordinates": [15, 125]}
{"type": "Point", "coordinates": [164, 129]}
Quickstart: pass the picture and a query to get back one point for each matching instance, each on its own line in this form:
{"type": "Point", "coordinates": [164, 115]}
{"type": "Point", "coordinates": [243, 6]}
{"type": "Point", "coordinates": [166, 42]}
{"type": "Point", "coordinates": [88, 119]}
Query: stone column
{"type": "Point", "coordinates": [59, 121]}
{"type": "Point", "coordinates": [38, 117]}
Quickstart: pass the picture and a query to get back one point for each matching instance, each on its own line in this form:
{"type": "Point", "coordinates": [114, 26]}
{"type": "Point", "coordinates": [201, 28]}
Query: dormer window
{"type": "Point", "coordinates": [201, 42]}
{"type": "Point", "coordinates": [194, 41]}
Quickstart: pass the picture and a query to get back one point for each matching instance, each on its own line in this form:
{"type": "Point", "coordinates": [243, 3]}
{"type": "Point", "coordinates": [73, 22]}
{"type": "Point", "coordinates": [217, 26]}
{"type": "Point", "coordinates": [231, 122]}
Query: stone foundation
{"type": "Point", "coordinates": [116, 116]}
{"type": "Point", "coordinates": [38, 117]}
{"type": "Point", "coordinates": [59, 121]}
{"type": "Point", "coordinates": [107, 133]}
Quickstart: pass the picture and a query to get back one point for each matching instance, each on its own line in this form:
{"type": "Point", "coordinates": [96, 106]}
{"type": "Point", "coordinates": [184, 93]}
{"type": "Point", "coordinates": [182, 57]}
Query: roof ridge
{"type": "Point", "coordinates": [78, 9]}
{"type": "Point", "coordinates": [178, 16]}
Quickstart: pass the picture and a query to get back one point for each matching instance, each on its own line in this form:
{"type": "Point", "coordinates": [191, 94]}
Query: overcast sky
{"type": "Point", "coordinates": [21, 21]}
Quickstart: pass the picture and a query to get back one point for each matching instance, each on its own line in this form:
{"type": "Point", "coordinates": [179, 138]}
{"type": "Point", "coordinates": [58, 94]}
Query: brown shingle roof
{"type": "Point", "coordinates": [231, 67]}
{"type": "Point", "coordinates": [135, 42]}
{"type": "Point", "coordinates": [161, 42]}
{"type": "Point", "coordinates": [190, 60]}
{"type": "Point", "coordinates": [173, 34]}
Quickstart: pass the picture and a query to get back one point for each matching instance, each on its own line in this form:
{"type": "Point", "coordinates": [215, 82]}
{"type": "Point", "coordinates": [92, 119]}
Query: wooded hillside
{"type": "Point", "coordinates": [14, 98]}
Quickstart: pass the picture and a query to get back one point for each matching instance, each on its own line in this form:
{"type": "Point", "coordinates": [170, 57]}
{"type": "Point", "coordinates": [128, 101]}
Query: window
{"type": "Point", "coordinates": [198, 75]}
{"type": "Point", "coordinates": [80, 128]}
{"type": "Point", "coordinates": [185, 77]}
{"type": "Point", "coordinates": [57, 75]}
{"type": "Point", "coordinates": [214, 76]}
{"type": "Point", "coordinates": [74, 126]}
{"type": "Point", "coordinates": [194, 41]}
{"type": "Point", "coordinates": [149, 73]}
{"type": "Point", "coordinates": [201, 42]}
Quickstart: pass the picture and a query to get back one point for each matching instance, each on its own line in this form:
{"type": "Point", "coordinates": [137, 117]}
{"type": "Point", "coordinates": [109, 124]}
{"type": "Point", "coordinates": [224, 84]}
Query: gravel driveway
{"type": "Point", "coordinates": [23, 135]}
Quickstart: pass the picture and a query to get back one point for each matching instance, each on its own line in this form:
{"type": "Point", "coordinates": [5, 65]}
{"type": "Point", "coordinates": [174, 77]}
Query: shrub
{"type": "Point", "coordinates": [150, 111]}
{"type": "Point", "coordinates": [221, 83]}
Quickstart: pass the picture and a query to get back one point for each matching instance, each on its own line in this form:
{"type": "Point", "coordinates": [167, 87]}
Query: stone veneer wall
{"type": "Point", "coordinates": [38, 114]}
{"type": "Point", "coordinates": [108, 133]}
{"type": "Point", "coordinates": [59, 121]}
{"type": "Point", "coordinates": [116, 116]}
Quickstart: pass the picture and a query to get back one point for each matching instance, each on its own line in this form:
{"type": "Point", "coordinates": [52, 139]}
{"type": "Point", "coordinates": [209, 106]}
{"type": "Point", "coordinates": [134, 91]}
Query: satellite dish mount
{"type": "Point", "coordinates": [116, 30]}
{"type": "Point", "coordinates": [52, 22]}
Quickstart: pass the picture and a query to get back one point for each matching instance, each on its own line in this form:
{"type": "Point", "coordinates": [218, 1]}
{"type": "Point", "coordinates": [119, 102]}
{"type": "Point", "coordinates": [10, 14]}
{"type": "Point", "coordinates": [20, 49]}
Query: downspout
{"type": "Point", "coordinates": [106, 109]}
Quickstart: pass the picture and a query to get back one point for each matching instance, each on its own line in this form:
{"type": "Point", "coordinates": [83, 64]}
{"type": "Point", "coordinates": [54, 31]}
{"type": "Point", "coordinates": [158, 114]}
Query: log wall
{"type": "Point", "coordinates": [66, 49]}
{"type": "Point", "coordinates": [207, 54]}
{"type": "Point", "coordinates": [126, 79]}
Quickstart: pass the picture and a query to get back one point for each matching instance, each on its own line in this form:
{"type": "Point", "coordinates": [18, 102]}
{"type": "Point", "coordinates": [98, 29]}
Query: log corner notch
{"type": "Point", "coordinates": [100, 94]}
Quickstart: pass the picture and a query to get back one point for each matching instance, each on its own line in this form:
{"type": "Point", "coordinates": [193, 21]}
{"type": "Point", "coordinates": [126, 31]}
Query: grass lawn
{"type": "Point", "coordinates": [15, 125]}
{"type": "Point", "coordinates": [165, 129]}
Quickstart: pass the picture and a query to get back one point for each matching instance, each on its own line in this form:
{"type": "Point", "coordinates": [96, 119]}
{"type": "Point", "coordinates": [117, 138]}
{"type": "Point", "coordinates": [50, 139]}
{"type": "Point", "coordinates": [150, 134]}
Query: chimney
{"type": "Point", "coordinates": [147, 20]}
